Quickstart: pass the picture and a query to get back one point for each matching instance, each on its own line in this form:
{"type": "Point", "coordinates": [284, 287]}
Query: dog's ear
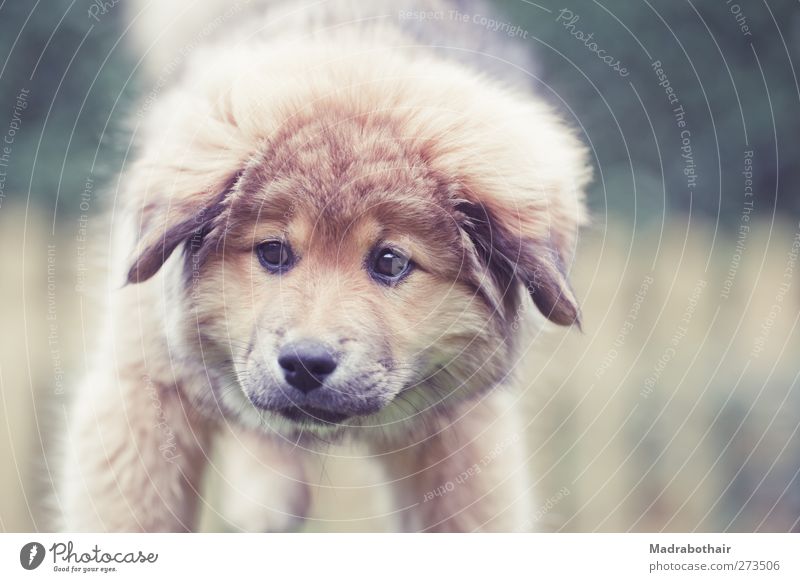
{"type": "Point", "coordinates": [508, 246]}
{"type": "Point", "coordinates": [520, 193]}
{"type": "Point", "coordinates": [164, 225]}
{"type": "Point", "coordinates": [545, 277]}
{"type": "Point", "coordinates": [156, 246]}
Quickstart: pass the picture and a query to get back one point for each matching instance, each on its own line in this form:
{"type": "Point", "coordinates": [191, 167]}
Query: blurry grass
{"type": "Point", "coordinates": [713, 445]}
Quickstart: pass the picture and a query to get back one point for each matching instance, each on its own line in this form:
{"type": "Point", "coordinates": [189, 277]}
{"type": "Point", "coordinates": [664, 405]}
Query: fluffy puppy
{"type": "Point", "coordinates": [332, 231]}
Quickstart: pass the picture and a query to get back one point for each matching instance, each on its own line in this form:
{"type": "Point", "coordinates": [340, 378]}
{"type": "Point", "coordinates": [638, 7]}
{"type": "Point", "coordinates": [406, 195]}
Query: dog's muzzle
{"type": "Point", "coordinates": [310, 391]}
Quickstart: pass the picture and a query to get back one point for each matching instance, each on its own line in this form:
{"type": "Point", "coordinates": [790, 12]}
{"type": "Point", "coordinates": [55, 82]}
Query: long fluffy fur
{"type": "Point", "coordinates": [333, 131]}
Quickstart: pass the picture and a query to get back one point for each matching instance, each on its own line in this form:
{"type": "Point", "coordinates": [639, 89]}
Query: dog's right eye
{"type": "Point", "coordinates": [275, 255]}
{"type": "Point", "coordinates": [389, 266]}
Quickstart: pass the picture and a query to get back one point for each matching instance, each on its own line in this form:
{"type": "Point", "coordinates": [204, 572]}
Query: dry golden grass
{"type": "Point", "coordinates": [706, 441]}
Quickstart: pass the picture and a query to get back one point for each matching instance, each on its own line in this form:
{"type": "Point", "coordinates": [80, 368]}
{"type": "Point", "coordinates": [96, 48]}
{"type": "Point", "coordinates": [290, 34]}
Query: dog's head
{"type": "Point", "coordinates": [357, 235]}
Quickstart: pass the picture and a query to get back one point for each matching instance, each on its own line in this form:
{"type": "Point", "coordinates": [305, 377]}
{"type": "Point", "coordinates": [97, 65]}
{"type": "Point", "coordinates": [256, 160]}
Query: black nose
{"type": "Point", "coordinates": [306, 364]}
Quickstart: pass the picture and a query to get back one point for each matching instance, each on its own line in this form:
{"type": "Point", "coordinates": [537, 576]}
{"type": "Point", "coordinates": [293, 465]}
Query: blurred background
{"type": "Point", "coordinates": [676, 409]}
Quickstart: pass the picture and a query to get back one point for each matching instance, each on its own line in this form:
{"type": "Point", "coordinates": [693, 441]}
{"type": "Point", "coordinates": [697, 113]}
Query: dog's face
{"type": "Point", "coordinates": [356, 262]}
{"type": "Point", "coordinates": [348, 274]}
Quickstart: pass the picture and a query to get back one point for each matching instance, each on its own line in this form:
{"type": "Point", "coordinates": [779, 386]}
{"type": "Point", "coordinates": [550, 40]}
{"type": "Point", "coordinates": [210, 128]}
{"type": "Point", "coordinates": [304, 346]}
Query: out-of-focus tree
{"type": "Point", "coordinates": [79, 89]}
{"type": "Point", "coordinates": [738, 88]}
{"type": "Point", "coordinates": [737, 85]}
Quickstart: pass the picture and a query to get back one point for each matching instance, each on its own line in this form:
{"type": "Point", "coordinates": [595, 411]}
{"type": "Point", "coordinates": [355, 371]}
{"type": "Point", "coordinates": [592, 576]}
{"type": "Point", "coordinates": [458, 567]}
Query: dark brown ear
{"type": "Point", "coordinates": [512, 259]}
{"type": "Point", "coordinates": [163, 238]}
{"type": "Point", "coordinates": [545, 278]}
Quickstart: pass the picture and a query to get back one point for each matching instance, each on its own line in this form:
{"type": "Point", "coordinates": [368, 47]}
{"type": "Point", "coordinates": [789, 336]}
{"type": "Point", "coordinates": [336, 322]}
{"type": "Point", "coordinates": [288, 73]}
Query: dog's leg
{"type": "Point", "coordinates": [263, 486]}
{"type": "Point", "coordinates": [133, 455]}
{"type": "Point", "coordinates": [465, 472]}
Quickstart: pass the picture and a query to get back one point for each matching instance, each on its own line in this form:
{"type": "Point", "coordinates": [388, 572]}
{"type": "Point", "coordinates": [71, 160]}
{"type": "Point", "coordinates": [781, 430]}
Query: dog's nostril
{"type": "Point", "coordinates": [306, 364]}
{"type": "Point", "coordinates": [287, 364]}
{"type": "Point", "coordinates": [322, 367]}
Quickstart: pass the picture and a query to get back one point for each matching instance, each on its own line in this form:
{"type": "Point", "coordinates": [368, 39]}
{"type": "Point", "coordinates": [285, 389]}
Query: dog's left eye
{"type": "Point", "coordinates": [275, 255]}
{"type": "Point", "coordinates": [389, 265]}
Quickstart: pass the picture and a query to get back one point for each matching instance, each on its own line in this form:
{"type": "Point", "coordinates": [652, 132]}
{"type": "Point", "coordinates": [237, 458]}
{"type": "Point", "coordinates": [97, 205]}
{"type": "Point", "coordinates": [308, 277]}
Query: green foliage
{"type": "Point", "coordinates": [77, 75]}
{"type": "Point", "coordinates": [82, 85]}
{"type": "Point", "coordinates": [715, 72]}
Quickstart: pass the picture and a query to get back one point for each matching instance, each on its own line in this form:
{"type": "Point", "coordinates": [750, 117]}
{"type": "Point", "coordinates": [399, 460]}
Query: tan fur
{"type": "Point", "coordinates": [336, 145]}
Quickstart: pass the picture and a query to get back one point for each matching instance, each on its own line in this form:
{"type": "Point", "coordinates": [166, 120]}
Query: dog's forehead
{"type": "Point", "coordinates": [331, 155]}
{"type": "Point", "coordinates": [343, 175]}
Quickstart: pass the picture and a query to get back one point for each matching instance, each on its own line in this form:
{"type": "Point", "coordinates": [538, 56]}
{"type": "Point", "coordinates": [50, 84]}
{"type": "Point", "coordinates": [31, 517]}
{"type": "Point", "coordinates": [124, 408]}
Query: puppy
{"type": "Point", "coordinates": [333, 229]}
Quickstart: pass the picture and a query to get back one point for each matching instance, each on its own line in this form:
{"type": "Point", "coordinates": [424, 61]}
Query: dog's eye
{"type": "Point", "coordinates": [390, 265]}
{"type": "Point", "coordinates": [275, 255]}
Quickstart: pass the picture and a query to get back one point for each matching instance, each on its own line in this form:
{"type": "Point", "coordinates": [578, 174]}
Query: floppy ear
{"type": "Point", "coordinates": [545, 278]}
{"type": "Point", "coordinates": [166, 223]}
{"type": "Point", "coordinates": [160, 241]}
{"type": "Point", "coordinates": [519, 186]}
{"type": "Point", "coordinates": [513, 256]}
{"type": "Point", "coordinates": [197, 139]}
